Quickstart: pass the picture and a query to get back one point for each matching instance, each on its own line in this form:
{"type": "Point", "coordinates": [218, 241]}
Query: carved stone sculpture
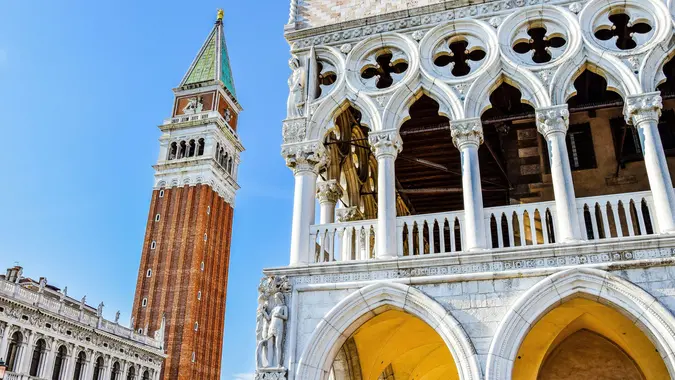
{"type": "Point", "coordinates": [271, 327]}
{"type": "Point", "coordinates": [296, 85]}
{"type": "Point", "coordinates": [194, 105]}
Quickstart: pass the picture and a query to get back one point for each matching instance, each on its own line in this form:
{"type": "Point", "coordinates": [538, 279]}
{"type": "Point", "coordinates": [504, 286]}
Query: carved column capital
{"type": "Point", "coordinates": [294, 130]}
{"type": "Point", "coordinates": [385, 143]}
{"type": "Point", "coordinates": [308, 157]}
{"type": "Point", "coordinates": [348, 214]}
{"type": "Point", "coordinates": [328, 192]}
{"type": "Point", "coordinates": [466, 132]}
{"type": "Point", "coordinates": [642, 107]}
{"type": "Point", "coordinates": [555, 119]}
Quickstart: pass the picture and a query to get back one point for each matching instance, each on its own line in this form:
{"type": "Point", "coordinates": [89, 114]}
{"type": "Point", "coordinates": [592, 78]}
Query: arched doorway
{"type": "Point", "coordinates": [584, 338]}
{"type": "Point", "coordinates": [577, 324]}
{"type": "Point", "coordinates": [394, 345]}
{"type": "Point", "coordinates": [391, 328]}
{"type": "Point", "coordinates": [38, 354]}
{"type": "Point", "coordinates": [13, 351]}
{"type": "Point", "coordinates": [60, 362]}
{"type": "Point", "coordinates": [98, 368]}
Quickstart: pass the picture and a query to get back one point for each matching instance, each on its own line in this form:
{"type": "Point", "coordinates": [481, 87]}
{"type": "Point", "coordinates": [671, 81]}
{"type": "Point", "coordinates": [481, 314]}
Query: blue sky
{"type": "Point", "coordinates": [83, 86]}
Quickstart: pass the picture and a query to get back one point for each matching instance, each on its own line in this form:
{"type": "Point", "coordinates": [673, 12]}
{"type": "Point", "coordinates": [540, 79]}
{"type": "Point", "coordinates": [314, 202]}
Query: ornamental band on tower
{"type": "Point", "coordinates": [495, 192]}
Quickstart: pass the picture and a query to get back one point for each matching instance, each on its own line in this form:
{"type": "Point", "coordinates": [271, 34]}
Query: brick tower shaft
{"type": "Point", "coordinates": [182, 279]}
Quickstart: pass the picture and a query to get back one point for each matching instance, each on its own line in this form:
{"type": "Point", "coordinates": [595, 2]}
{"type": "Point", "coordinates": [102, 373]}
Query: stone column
{"type": "Point", "coordinates": [107, 368]}
{"type": "Point", "coordinates": [305, 160]}
{"type": "Point", "coordinates": [643, 112]}
{"type": "Point", "coordinates": [88, 366]}
{"type": "Point", "coordinates": [328, 193]}
{"type": "Point", "coordinates": [552, 123]}
{"type": "Point", "coordinates": [4, 341]}
{"type": "Point", "coordinates": [26, 352]}
{"type": "Point", "coordinates": [47, 366]}
{"type": "Point", "coordinates": [70, 363]}
{"type": "Point", "coordinates": [467, 135]}
{"type": "Point", "coordinates": [385, 146]}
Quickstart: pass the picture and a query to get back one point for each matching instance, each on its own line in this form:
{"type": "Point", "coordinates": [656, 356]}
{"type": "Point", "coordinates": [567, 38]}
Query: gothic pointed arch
{"type": "Point", "coordinates": [619, 77]}
{"type": "Point", "coordinates": [619, 295]}
{"type": "Point", "coordinates": [533, 91]}
{"type": "Point", "coordinates": [366, 303]}
{"type": "Point", "coordinates": [397, 110]}
{"type": "Point", "coordinates": [323, 118]}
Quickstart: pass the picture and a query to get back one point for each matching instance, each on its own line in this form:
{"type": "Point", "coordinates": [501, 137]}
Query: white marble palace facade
{"type": "Point", "coordinates": [540, 239]}
{"type": "Point", "coordinates": [45, 334]}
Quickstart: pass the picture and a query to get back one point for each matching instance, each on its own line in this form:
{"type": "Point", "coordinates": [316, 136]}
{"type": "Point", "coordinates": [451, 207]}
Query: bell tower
{"type": "Point", "coordinates": [183, 272]}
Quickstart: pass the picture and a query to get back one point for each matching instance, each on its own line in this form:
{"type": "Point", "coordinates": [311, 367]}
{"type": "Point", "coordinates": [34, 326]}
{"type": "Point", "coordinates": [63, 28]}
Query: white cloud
{"type": "Point", "coordinates": [244, 376]}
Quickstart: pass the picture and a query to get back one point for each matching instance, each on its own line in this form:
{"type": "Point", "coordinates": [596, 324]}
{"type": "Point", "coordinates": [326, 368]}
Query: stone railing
{"type": "Point", "coordinates": [529, 224]}
{"type": "Point", "coordinates": [16, 376]}
{"type": "Point", "coordinates": [198, 117]}
{"type": "Point", "coordinates": [84, 317]}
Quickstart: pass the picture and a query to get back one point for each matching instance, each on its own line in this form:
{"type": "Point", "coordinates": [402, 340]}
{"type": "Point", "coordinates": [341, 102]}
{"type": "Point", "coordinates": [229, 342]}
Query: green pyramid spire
{"type": "Point", "coordinates": [212, 62]}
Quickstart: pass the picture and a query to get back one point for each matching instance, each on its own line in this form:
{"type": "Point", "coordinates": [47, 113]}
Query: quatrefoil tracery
{"type": "Point", "coordinates": [384, 68]}
{"type": "Point", "coordinates": [627, 34]}
{"type": "Point", "coordinates": [542, 45]}
{"type": "Point", "coordinates": [326, 77]}
{"type": "Point", "coordinates": [462, 57]}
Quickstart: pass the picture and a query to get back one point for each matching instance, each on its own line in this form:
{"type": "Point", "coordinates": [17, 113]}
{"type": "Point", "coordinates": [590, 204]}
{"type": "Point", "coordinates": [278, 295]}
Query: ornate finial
{"type": "Point", "coordinates": [221, 14]}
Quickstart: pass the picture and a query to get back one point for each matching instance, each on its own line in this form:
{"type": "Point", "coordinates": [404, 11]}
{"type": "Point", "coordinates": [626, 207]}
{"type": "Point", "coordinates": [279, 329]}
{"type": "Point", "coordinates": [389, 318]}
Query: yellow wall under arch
{"type": "Point", "coordinates": [413, 348]}
{"type": "Point", "coordinates": [581, 313]}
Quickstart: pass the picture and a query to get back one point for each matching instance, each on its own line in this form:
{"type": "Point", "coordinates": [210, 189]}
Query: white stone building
{"type": "Point", "coordinates": [494, 188]}
{"type": "Point", "coordinates": [45, 334]}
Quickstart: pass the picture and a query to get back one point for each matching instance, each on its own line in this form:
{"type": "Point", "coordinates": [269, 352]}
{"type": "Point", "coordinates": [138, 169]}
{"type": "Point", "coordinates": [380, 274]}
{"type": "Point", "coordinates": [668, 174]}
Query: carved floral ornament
{"type": "Point", "coordinates": [294, 130]}
{"type": "Point", "coordinates": [385, 143]}
{"type": "Point", "coordinates": [305, 157]}
{"type": "Point", "coordinates": [553, 120]}
{"type": "Point", "coordinates": [643, 107]}
{"type": "Point", "coordinates": [466, 132]}
{"type": "Point", "coordinates": [328, 191]}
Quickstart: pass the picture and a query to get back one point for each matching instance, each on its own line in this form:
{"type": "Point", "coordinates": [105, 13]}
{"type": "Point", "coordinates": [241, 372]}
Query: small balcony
{"type": "Point", "coordinates": [606, 217]}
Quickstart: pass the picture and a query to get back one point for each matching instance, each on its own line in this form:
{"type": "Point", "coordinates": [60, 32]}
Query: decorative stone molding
{"type": "Point", "coordinates": [466, 132]}
{"type": "Point", "coordinates": [225, 186]}
{"type": "Point", "coordinates": [553, 120]}
{"type": "Point", "coordinates": [306, 157]}
{"type": "Point", "coordinates": [643, 107]}
{"type": "Point", "coordinates": [294, 130]}
{"type": "Point", "coordinates": [348, 214]}
{"type": "Point", "coordinates": [385, 143]}
{"type": "Point", "coordinates": [328, 192]}
{"type": "Point", "coordinates": [270, 374]}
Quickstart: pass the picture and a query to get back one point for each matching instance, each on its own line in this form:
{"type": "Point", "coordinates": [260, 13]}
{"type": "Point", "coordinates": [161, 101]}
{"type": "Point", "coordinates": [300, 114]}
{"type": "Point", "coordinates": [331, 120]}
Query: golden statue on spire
{"type": "Point", "coordinates": [221, 14]}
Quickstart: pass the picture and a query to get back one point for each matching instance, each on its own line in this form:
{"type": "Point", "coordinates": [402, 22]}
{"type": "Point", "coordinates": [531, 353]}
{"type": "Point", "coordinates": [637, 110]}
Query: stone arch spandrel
{"type": "Point", "coordinates": [651, 71]}
{"type": "Point", "coordinates": [654, 320]}
{"type": "Point", "coordinates": [323, 118]}
{"type": "Point", "coordinates": [532, 89]}
{"type": "Point", "coordinates": [619, 77]}
{"type": "Point", "coordinates": [362, 305]}
{"type": "Point", "coordinates": [396, 111]}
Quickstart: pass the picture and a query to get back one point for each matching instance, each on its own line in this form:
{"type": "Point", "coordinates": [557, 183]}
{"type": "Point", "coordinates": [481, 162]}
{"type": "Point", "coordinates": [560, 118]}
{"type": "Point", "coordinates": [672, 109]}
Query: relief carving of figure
{"type": "Point", "coordinates": [195, 105]}
{"type": "Point", "coordinates": [296, 84]}
{"type": "Point", "coordinates": [262, 327]}
{"type": "Point", "coordinates": [275, 335]}
{"type": "Point", "coordinates": [271, 322]}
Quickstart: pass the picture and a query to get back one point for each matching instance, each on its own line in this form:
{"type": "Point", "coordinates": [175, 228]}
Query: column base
{"type": "Point", "coordinates": [270, 374]}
